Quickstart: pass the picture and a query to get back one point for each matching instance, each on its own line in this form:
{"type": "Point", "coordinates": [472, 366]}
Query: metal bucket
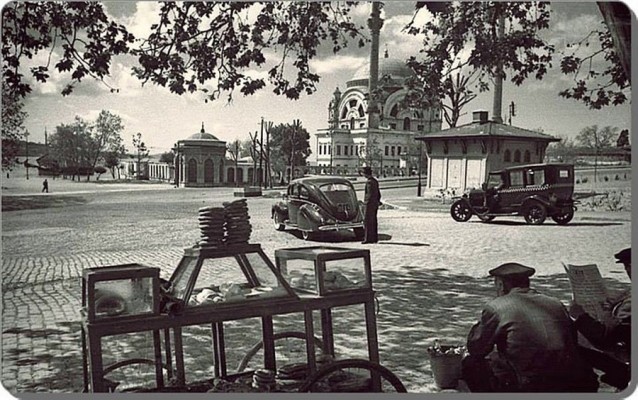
{"type": "Point", "coordinates": [446, 369]}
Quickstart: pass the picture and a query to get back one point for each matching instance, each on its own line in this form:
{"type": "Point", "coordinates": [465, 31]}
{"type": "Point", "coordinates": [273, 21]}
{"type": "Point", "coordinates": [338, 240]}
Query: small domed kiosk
{"type": "Point", "coordinates": [199, 160]}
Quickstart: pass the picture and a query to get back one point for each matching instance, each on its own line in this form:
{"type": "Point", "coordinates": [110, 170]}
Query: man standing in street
{"type": "Point", "coordinates": [371, 202]}
{"type": "Point", "coordinates": [45, 186]}
{"type": "Point", "coordinates": [524, 341]}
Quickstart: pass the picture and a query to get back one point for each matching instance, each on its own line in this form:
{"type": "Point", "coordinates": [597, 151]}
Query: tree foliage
{"type": "Point", "coordinates": [69, 145]}
{"type": "Point", "coordinates": [13, 131]}
{"type": "Point", "coordinates": [591, 137]}
{"type": "Point", "coordinates": [104, 136]}
{"type": "Point", "coordinates": [78, 38]}
{"type": "Point", "coordinates": [211, 46]}
{"type": "Point", "coordinates": [462, 26]}
{"type": "Point", "coordinates": [283, 139]}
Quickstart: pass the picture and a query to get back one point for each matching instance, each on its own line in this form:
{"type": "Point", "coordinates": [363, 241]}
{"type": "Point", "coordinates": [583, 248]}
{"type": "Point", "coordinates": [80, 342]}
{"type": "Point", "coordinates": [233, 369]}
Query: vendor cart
{"type": "Point", "coordinates": [215, 285]}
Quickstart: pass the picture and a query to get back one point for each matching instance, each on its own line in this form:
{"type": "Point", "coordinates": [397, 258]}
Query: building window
{"type": "Point", "coordinates": [517, 156]}
{"type": "Point", "coordinates": [352, 123]}
{"type": "Point", "coordinates": [356, 150]}
{"type": "Point", "coordinates": [362, 125]}
{"type": "Point", "coordinates": [387, 150]}
{"type": "Point", "coordinates": [507, 156]}
{"type": "Point", "coordinates": [527, 157]}
{"type": "Point", "coordinates": [392, 151]}
{"type": "Point", "coordinates": [329, 149]}
{"type": "Point", "coordinates": [338, 150]}
{"type": "Point", "coordinates": [393, 126]}
{"type": "Point", "coordinates": [395, 111]}
{"type": "Point", "coordinates": [406, 124]}
{"type": "Point", "coordinates": [399, 150]}
{"type": "Point", "coordinates": [320, 148]}
{"type": "Point", "coordinates": [420, 128]}
{"type": "Point", "coordinates": [345, 150]}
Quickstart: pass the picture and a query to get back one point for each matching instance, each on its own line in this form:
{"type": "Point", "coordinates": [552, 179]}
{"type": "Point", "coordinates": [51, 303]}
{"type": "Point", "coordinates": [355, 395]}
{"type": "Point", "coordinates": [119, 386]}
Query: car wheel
{"type": "Point", "coordinates": [278, 221]}
{"type": "Point", "coordinates": [535, 213]}
{"type": "Point", "coordinates": [359, 233]}
{"type": "Point", "coordinates": [485, 218]}
{"type": "Point", "coordinates": [306, 235]}
{"type": "Point", "coordinates": [460, 211]}
{"type": "Point", "coordinates": [563, 219]}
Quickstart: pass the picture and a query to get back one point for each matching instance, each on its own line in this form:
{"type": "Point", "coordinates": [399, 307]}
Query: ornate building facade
{"type": "Point", "coordinates": [352, 141]}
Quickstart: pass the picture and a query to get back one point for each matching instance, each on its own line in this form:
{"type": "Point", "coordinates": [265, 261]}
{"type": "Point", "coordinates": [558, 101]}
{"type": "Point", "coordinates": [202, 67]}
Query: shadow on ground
{"type": "Point", "coordinates": [415, 306]}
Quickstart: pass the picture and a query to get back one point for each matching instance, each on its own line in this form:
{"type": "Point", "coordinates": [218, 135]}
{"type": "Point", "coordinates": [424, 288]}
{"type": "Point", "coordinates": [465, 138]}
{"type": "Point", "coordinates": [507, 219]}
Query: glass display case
{"type": "Point", "coordinates": [120, 291]}
{"type": "Point", "coordinates": [227, 275]}
{"type": "Point", "coordinates": [325, 270]}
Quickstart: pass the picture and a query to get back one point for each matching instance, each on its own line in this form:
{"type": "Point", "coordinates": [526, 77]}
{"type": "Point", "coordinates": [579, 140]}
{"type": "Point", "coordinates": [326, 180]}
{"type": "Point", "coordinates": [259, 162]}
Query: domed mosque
{"type": "Point", "coordinates": [384, 138]}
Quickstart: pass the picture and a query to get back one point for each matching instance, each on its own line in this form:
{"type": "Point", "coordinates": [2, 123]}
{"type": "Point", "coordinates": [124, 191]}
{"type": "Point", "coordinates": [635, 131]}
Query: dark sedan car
{"type": "Point", "coordinates": [319, 204]}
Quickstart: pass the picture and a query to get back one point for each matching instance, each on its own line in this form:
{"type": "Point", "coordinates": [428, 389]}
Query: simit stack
{"type": "Point", "coordinates": [237, 226]}
{"type": "Point", "coordinates": [211, 225]}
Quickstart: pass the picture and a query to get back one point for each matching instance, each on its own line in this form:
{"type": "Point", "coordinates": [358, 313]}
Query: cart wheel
{"type": "Point", "coordinates": [351, 375]}
{"type": "Point", "coordinates": [563, 219]}
{"type": "Point", "coordinates": [535, 213]}
{"type": "Point", "coordinates": [460, 211]}
{"type": "Point", "coordinates": [138, 378]}
{"type": "Point", "coordinates": [288, 350]}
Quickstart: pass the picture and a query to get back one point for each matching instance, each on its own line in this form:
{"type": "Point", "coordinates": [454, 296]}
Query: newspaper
{"type": "Point", "coordinates": [588, 288]}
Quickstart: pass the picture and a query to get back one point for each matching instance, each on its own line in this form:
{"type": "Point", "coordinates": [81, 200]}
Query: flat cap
{"type": "Point", "coordinates": [624, 256]}
{"type": "Point", "coordinates": [512, 269]}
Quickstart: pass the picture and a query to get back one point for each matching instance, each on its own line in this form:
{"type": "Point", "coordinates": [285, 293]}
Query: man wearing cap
{"type": "Point", "coordinates": [371, 202]}
{"type": "Point", "coordinates": [524, 341]}
{"type": "Point", "coordinates": [613, 336]}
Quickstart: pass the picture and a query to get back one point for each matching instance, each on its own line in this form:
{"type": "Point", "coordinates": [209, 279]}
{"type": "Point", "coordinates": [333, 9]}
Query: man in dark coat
{"type": "Point", "coordinates": [524, 341]}
{"type": "Point", "coordinates": [371, 202]}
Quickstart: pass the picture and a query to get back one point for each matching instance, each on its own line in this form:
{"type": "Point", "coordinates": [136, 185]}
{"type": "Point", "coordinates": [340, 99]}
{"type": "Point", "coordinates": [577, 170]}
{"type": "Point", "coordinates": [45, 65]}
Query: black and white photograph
{"type": "Point", "coordinates": [299, 196]}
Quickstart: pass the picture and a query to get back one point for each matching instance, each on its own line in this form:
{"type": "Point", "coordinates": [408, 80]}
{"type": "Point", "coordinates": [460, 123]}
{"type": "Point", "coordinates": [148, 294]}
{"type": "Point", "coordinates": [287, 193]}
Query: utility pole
{"type": "Point", "coordinates": [418, 187]}
{"type": "Point", "coordinates": [268, 174]}
{"type": "Point", "coordinates": [261, 153]}
{"type": "Point", "coordinates": [26, 144]}
{"type": "Point", "coordinates": [296, 124]}
{"type": "Point", "coordinates": [254, 156]}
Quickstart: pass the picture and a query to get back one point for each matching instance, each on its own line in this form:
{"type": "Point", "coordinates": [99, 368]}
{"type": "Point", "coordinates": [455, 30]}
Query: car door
{"type": "Point", "coordinates": [294, 202]}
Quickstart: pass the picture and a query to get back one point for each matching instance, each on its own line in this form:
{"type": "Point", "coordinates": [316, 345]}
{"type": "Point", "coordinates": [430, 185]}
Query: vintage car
{"type": "Point", "coordinates": [319, 204]}
{"type": "Point", "coordinates": [534, 191]}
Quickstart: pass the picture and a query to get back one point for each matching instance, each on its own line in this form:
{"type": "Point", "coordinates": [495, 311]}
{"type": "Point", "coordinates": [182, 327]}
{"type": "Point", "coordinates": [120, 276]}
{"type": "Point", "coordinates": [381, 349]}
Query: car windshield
{"type": "Point", "coordinates": [493, 180]}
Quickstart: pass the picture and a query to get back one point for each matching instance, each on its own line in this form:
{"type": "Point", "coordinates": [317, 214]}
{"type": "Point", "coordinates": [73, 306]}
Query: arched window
{"type": "Point", "coordinates": [231, 175]}
{"type": "Point", "coordinates": [240, 175]}
{"type": "Point", "coordinates": [192, 170]}
{"type": "Point", "coordinates": [352, 123]}
{"type": "Point", "coordinates": [406, 124]}
{"type": "Point", "coordinates": [527, 158]}
{"type": "Point", "coordinates": [517, 156]}
{"type": "Point", "coordinates": [394, 111]}
{"type": "Point", "coordinates": [208, 171]}
{"type": "Point", "coordinates": [507, 156]}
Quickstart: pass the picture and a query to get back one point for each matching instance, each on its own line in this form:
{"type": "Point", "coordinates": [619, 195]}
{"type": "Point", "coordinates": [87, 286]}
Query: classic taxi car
{"type": "Point", "coordinates": [534, 191]}
{"type": "Point", "coordinates": [319, 204]}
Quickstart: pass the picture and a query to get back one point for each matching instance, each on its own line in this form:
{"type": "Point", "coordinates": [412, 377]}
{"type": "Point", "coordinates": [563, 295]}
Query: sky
{"type": "Point", "coordinates": [163, 118]}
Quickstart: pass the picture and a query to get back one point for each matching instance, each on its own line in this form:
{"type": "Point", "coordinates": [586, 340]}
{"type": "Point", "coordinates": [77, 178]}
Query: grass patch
{"type": "Point", "coordinates": [16, 203]}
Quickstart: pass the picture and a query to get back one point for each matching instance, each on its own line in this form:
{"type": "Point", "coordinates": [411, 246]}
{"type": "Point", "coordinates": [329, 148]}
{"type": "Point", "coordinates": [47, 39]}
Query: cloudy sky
{"type": "Point", "coordinates": [163, 117]}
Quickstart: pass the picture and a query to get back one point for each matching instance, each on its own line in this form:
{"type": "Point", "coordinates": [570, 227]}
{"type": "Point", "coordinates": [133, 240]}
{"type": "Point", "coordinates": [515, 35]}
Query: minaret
{"type": "Point", "coordinates": [498, 79]}
{"type": "Point", "coordinates": [46, 142]}
{"type": "Point", "coordinates": [334, 109]}
{"type": "Point", "coordinates": [374, 23]}
{"type": "Point", "coordinates": [203, 131]}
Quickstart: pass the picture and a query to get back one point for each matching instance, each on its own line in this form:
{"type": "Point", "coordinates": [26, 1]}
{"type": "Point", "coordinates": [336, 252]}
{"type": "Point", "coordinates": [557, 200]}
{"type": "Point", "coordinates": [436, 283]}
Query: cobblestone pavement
{"type": "Point", "coordinates": [429, 273]}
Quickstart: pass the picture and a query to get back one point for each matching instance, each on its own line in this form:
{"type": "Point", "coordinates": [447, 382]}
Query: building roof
{"type": "Point", "coordinates": [396, 69]}
{"type": "Point", "coordinates": [202, 135]}
{"type": "Point", "coordinates": [487, 129]}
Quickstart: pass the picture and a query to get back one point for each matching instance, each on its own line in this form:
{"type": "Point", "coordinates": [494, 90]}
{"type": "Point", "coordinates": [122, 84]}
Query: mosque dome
{"type": "Point", "coordinates": [396, 69]}
{"type": "Point", "coordinates": [202, 135]}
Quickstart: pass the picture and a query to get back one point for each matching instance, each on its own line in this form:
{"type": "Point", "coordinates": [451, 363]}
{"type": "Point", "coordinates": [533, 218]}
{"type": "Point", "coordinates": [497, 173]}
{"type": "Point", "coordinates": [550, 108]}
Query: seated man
{"type": "Point", "coordinates": [492, 197]}
{"type": "Point", "coordinates": [612, 336]}
{"type": "Point", "coordinates": [524, 342]}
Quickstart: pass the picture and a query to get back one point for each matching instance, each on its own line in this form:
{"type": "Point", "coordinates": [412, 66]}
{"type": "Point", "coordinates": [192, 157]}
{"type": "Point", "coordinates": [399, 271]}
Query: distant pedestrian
{"type": "Point", "coordinates": [371, 201]}
{"type": "Point", "coordinates": [45, 186]}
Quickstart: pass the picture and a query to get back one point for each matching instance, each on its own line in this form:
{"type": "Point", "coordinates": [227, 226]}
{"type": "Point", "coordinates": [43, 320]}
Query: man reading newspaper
{"type": "Point", "coordinates": [609, 331]}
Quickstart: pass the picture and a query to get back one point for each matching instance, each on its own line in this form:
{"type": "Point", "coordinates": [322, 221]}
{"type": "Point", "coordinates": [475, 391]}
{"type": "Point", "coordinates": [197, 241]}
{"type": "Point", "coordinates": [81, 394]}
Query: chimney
{"type": "Point", "coordinates": [479, 117]}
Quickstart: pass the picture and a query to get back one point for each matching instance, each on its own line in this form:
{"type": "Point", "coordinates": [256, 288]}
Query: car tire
{"type": "Point", "coordinates": [359, 233]}
{"type": "Point", "coordinates": [277, 220]}
{"type": "Point", "coordinates": [460, 211]}
{"type": "Point", "coordinates": [535, 213]}
{"type": "Point", "coordinates": [563, 219]}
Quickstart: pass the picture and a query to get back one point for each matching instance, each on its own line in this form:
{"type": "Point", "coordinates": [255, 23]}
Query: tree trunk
{"type": "Point", "coordinates": [618, 20]}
